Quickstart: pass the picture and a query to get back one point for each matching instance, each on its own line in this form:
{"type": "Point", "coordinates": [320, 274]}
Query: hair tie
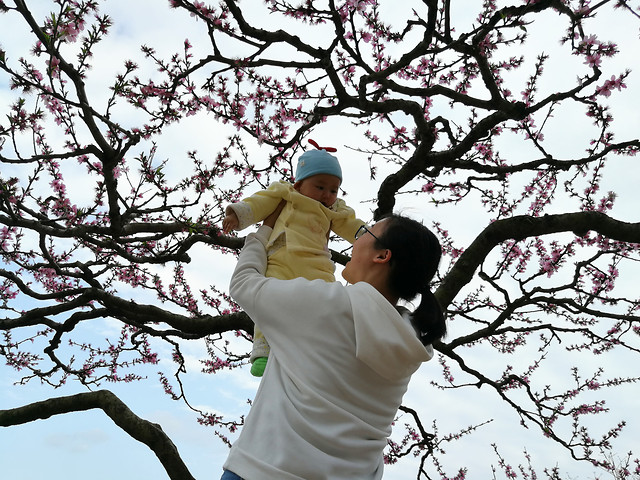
{"type": "Point", "coordinates": [328, 149]}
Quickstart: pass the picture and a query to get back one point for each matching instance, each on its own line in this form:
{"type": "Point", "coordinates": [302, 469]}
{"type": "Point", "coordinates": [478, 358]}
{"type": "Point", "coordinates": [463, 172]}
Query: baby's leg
{"type": "Point", "coordinates": [259, 353]}
{"type": "Point", "coordinates": [277, 267]}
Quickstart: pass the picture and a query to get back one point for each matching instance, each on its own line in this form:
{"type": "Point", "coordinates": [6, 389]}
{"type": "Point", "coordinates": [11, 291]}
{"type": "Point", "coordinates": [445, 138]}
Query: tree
{"type": "Point", "coordinates": [447, 113]}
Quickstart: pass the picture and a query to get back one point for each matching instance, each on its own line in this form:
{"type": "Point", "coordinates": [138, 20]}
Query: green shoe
{"type": "Point", "coordinates": [258, 366]}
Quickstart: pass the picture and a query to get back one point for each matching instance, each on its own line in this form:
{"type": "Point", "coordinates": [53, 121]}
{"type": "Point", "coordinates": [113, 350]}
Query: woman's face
{"type": "Point", "coordinates": [363, 254]}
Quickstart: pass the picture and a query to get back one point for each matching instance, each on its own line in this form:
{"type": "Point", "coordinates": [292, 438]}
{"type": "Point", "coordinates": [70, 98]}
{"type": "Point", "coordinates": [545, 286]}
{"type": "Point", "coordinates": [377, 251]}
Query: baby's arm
{"type": "Point", "coordinates": [345, 224]}
{"type": "Point", "coordinates": [254, 208]}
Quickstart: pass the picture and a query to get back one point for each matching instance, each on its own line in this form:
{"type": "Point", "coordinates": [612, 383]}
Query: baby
{"type": "Point", "coordinates": [298, 246]}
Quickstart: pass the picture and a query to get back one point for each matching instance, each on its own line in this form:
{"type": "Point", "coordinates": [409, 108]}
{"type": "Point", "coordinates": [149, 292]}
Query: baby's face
{"type": "Point", "coordinates": [322, 187]}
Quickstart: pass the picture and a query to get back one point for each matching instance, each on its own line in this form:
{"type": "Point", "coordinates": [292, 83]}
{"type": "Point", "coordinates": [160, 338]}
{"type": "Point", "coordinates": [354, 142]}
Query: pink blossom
{"type": "Point", "coordinates": [54, 66]}
{"type": "Point", "coordinates": [198, 6]}
{"type": "Point", "coordinates": [609, 85]}
{"type": "Point", "coordinates": [593, 60]}
{"type": "Point", "coordinates": [590, 40]}
{"type": "Point", "coordinates": [428, 187]}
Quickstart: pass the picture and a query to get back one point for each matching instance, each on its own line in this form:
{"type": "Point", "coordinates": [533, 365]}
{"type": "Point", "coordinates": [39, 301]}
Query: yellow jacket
{"type": "Point", "coordinates": [304, 224]}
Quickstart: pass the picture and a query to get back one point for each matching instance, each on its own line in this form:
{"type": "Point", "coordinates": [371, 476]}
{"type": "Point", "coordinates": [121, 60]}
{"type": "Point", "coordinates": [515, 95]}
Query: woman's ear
{"type": "Point", "coordinates": [383, 256]}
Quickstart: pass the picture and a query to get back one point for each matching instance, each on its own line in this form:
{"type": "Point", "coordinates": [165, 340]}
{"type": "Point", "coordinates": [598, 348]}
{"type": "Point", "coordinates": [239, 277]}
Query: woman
{"type": "Point", "coordinates": [341, 357]}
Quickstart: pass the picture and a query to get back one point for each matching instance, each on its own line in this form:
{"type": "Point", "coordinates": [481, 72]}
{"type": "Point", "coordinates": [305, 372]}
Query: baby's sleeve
{"type": "Point", "coordinates": [345, 223]}
{"type": "Point", "coordinates": [258, 206]}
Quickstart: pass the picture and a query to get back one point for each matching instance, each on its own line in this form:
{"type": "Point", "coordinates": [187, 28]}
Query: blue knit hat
{"type": "Point", "coordinates": [315, 162]}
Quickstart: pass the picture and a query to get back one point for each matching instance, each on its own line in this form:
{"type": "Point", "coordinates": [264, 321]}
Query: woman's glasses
{"type": "Point", "coordinates": [364, 229]}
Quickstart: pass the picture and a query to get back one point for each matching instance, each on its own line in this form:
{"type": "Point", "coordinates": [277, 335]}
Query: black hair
{"type": "Point", "coordinates": [415, 255]}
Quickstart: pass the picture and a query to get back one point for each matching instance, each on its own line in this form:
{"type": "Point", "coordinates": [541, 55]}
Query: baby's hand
{"type": "Point", "coordinates": [230, 222]}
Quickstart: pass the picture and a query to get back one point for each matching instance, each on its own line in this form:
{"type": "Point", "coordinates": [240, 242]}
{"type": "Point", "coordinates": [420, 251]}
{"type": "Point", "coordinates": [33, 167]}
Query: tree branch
{"type": "Point", "coordinates": [521, 227]}
{"type": "Point", "coordinates": [144, 431]}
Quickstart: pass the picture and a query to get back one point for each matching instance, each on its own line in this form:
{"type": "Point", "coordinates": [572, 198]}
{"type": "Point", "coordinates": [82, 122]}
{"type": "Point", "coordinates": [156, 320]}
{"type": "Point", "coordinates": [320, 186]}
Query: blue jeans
{"type": "Point", "coordinates": [229, 475]}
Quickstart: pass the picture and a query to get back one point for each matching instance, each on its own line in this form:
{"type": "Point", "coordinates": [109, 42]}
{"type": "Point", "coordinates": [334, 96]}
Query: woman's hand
{"type": "Point", "coordinates": [270, 221]}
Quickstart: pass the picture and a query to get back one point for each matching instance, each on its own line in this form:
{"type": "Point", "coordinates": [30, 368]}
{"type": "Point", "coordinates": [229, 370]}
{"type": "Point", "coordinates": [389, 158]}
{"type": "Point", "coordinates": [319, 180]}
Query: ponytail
{"type": "Point", "coordinates": [415, 255]}
{"type": "Point", "coordinates": [428, 319]}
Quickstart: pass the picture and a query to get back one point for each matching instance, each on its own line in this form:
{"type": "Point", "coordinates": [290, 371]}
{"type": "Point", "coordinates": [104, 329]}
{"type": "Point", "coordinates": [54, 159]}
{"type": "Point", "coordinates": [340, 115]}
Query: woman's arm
{"type": "Point", "coordinates": [270, 220]}
{"type": "Point", "coordinates": [248, 277]}
{"type": "Point", "coordinates": [285, 310]}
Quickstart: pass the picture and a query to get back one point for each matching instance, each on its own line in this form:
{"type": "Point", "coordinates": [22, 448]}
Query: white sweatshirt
{"type": "Point", "coordinates": [341, 359]}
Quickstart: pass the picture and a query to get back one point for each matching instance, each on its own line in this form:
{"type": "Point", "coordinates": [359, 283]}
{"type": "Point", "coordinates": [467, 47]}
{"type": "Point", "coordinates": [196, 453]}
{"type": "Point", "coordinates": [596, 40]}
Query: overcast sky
{"type": "Point", "coordinates": [87, 444]}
